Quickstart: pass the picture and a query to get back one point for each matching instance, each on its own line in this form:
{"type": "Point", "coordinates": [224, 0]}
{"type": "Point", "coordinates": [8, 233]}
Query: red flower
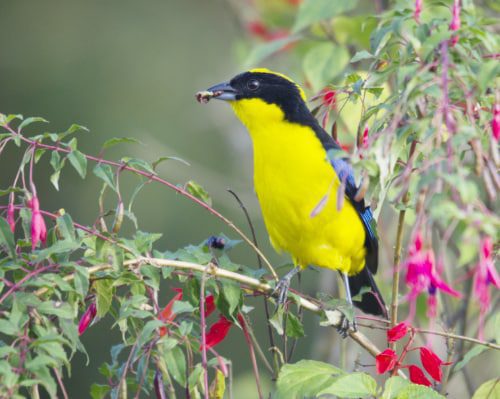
{"type": "Point", "coordinates": [11, 219]}
{"type": "Point", "coordinates": [218, 331]}
{"type": "Point", "coordinates": [87, 318]}
{"type": "Point", "coordinates": [421, 275]}
{"type": "Point", "coordinates": [455, 21]}
{"type": "Point", "coordinates": [397, 332]}
{"type": "Point", "coordinates": [167, 315]}
{"type": "Point", "coordinates": [38, 228]}
{"type": "Point", "coordinates": [485, 275]}
{"type": "Point", "coordinates": [418, 10]}
{"type": "Point", "coordinates": [385, 361]}
{"type": "Point", "coordinates": [495, 122]}
{"type": "Point", "coordinates": [260, 30]}
{"type": "Point", "coordinates": [329, 97]}
{"type": "Point", "coordinates": [364, 139]}
{"type": "Point", "coordinates": [432, 363]}
{"type": "Point", "coordinates": [417, 376]}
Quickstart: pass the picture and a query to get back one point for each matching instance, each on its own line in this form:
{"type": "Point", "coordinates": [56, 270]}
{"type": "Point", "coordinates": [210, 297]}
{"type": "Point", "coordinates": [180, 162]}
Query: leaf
{"type": "Point", "coordinates": [137, 163]}
{"type": "Point", "coordinates": [414, 391]}
{"type": "Point", "coordinates": [104, 172]}
{"type": "Point", "coordinates": [198, 191]}
{"type": "Point", "coordinates": [218, 386]}
{"type": "Point", "coordinates": [7, 238]}
{"type": "Point", "coordinates": [79, 162]}
{"type": "Point", "coordinates": [31, 120]}
{"type": "Point", "coordinates": [99, 391]}
{"type": "Point", "coordinates": [182, 307]}
{"type": "Point", "coordinates": [264, 50]}
{"type": "Point", "coordinates": [393, 386]}
{"type": "Point", "coordinates": [312, 11]}
{"type": "Point", "coordinates": [233, 296]}
{"type": "Point", "coordinates": [305, 379]}
{"type": "Point", "coordinates": [294, 327]}
{"type": "Point", "coordinates": [361, 55]}
{"type": "Point", "coordinates": [471, 354]}
{"type": "Point", "coordinates": [488, 390]}
{"type": "Point", "coordinates": [354, 385]}
{"type": "Point", "coordinates": [277, 320]}
{"type": "Point", "coordinates": [59, 309]}
{"type": "Point", "coordinates": [65, 227]}
{"type": "Point", "coordinates": [323, 62]}
{"type": "Point", "coordinates": [176, 364]}
{"type": "Point", "coordinates": [104, 290]}
{"type": "Point", "coordinates": [487, 73]}
{"type": "Point", "coordinates": [163, 159]}
{"type": "Point", "coordinates": [119, 140]}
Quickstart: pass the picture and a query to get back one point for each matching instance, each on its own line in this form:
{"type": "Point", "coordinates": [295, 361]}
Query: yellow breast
{"type": "Point", "coordinates": [292, 176]}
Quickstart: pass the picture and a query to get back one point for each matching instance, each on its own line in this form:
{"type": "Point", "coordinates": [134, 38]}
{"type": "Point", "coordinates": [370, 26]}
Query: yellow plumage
{"type": "Point", "coordinates": [292, 174]}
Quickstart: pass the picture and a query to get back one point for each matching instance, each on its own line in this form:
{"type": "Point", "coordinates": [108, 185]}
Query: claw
{"type": "Point", "coordinates": [346, 326]}
{"type": "Point", "coordinates": [281, 289]}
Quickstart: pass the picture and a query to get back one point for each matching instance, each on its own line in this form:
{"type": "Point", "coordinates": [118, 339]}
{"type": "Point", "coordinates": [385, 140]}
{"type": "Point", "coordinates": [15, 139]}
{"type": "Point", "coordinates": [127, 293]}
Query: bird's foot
{"type": "Point", "coordinates": [346, 325]}
{"type": "Point", "coordinates": [281, 290]}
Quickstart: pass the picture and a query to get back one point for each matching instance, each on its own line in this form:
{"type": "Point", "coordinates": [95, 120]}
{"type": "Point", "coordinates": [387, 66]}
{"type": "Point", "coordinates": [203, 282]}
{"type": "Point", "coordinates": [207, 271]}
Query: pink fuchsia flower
{"type": "Point", "coordinates": [11, 218]}
{"type": "Point", "coordinates": [432, 363]}
{"type": "Point", "coordinates": [38, 227]}
{"type": "Point", "coordinates": [397, 332]}
{"type": "Point", "coordinates": [455, 21]}
{"type": "Point", "coordinates": [495, 122]}
{"type": "Point", "coordinates": [418, 11]}
{"type": "Point", "coordinates": [385, 361]}
{"type": "Point", "coordinates": [417, 376]}
{"type": "Point", "coordinates": [87, 318]}
{"type": "Point", "coordinates": [485, 275]}
{"type": "Point", "coordinates": [421, 275]}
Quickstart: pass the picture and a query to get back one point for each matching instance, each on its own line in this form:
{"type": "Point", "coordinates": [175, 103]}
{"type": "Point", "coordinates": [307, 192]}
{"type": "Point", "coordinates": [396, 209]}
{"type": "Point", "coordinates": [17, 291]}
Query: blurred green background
{"type": "Point", "coordinates": [130, 69]}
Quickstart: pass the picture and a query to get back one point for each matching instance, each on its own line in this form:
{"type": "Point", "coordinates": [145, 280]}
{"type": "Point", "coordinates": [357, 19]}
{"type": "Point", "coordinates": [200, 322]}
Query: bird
{"type": "Point", "coordinates": [298, 172]}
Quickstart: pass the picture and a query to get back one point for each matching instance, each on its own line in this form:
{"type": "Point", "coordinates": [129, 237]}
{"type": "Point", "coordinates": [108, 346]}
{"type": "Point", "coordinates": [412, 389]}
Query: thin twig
{"type": "Point", "coordinates": [203, 328]}
{"type": "Point", "coordinates": [60, 382]}
{"type": "Point", "coordinates": [243, 322]}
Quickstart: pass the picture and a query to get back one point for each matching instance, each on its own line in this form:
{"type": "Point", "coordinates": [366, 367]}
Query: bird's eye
{"type": "Point", "coordinates": [253, 84]}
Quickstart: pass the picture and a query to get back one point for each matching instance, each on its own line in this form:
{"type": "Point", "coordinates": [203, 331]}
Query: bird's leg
{"type": "Point", "coordinates": [283, 285]}
{"type": "Point", "coordinates": [345, 325]}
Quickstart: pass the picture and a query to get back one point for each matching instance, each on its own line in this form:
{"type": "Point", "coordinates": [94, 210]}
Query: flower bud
{"type": "Point", "coordinates": [385, 361]}
{"type": "Point", "coordinates": [417, 376]}
{"type": "Point", "coordinates": [87, 318]}
{"type": "Point", "coordinates": [397, 332]}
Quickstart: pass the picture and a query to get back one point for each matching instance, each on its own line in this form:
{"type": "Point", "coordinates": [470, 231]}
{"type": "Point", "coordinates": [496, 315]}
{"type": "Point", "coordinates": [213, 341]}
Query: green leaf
{"type": "Point", "coordinates": [323, 62]}
{"type": "Point", "coordinates": [414, 391]}
{"type": "Point", "coordinates": [361, 55]}
{"type": "Point", "coordinates": [99, 391]}
{"type": "Point", "coordinates": [163, 159]}
{"type": "Point", "coordinates": [354, 385]}
{"type": "Point", "coordinates": [393, 386]}
{"type": "Point", "coordinates": [31, 120]}
{"type": "Point", "coordinates": [139, 164]}
{"type": "Point", "coordinates": [119, 140]}
{"type": "Point", "coordinates": [294, 327]}
{"type": "Point", "coordinates": [264, 50]}
{"type": "Point", "coordinates": [59, 309]}
{"type": "Point", "coordinates": [104, 290]}
{"type": "Point", "coordinates": [488, 71]}
{"type": "Point", "coordinates": [305, 379]}
{"type": "Point", "coordinates": [198, 191]}
{"type": "Point", "coordinates": [176, 364]}
{"type": "Point", "coordinates": [276, 319]}
{"type": "Point", "coordinates": [104, 172]}
{"type": "Point", "coordinates": [471, 354]}
{"type": "Point", "coordinates": [488, 390]}
{"type": "Point", "coordinates": [312, 11]}
{"type": "Point", "coordinates": [65, 227]}
{"type": "Point", "coordinates": [79, 162]}
{"type": "Point", "coordinates": [233, 296]}
{"type": "Point", "coordinates": [182, 307]}
{"type": "Point", "coordinates": [7, 238]}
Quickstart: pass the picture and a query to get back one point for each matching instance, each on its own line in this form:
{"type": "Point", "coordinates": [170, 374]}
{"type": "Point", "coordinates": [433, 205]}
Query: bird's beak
{"type": "Point", "coordinates": [223, 91]}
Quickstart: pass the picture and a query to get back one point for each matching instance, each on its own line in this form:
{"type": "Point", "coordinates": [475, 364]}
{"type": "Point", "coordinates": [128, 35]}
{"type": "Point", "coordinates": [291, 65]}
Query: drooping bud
{"type": "Point", "coordinates": [38, 227]}
{"type": "Point", "coordinates": [11, 218]}
{"type": "Point", "coordinates": [455, 21]}
{"type": "Point", "coordinates": [495, 121]}
{"type": "Point", "coordinates": [87, 318]}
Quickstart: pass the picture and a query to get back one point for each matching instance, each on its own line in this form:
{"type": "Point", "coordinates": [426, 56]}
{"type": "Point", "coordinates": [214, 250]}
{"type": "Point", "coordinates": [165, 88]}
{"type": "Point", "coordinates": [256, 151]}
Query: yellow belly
{"type": "Point", "coordinates": [291, 176]}
{"type": "Point", "coordinates": [291, 179]}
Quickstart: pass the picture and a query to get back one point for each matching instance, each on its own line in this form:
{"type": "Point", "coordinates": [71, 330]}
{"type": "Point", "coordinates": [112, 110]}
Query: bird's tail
{"type": "Point", "coordinates": [371, 301]}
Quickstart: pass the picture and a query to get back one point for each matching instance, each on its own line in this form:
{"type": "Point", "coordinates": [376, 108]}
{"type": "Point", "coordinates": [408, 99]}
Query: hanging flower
{"type": "Point", "coordinates": [495, 121]}
{"type": "Point", "coordinates": [417, 376]}
{"type": "Point", "coordinates": [11, 218]}
{"type": "Point", "coordinates": [209, 305]}
{"type": "Point", "coordinates": [385, 361]}
{"type": "Point", "coordinates": [455, 21]}
{"type": "Point", "coordinates": [218, 331]}
{"type": "Point", "coordinates": [167, 315]}
{"type": "Point", "coordinates": [485, 275]}
{"type": "Point", "coordinates": [421, 275]}
{"type": "Point", "coordinates": [418, 11]}
{"type": "Point", "coordinates": [87, 318]}
{"type": "Point", "coordinates": [38, 227]}
{"type": "Point", "coordinates": [397, 332]}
